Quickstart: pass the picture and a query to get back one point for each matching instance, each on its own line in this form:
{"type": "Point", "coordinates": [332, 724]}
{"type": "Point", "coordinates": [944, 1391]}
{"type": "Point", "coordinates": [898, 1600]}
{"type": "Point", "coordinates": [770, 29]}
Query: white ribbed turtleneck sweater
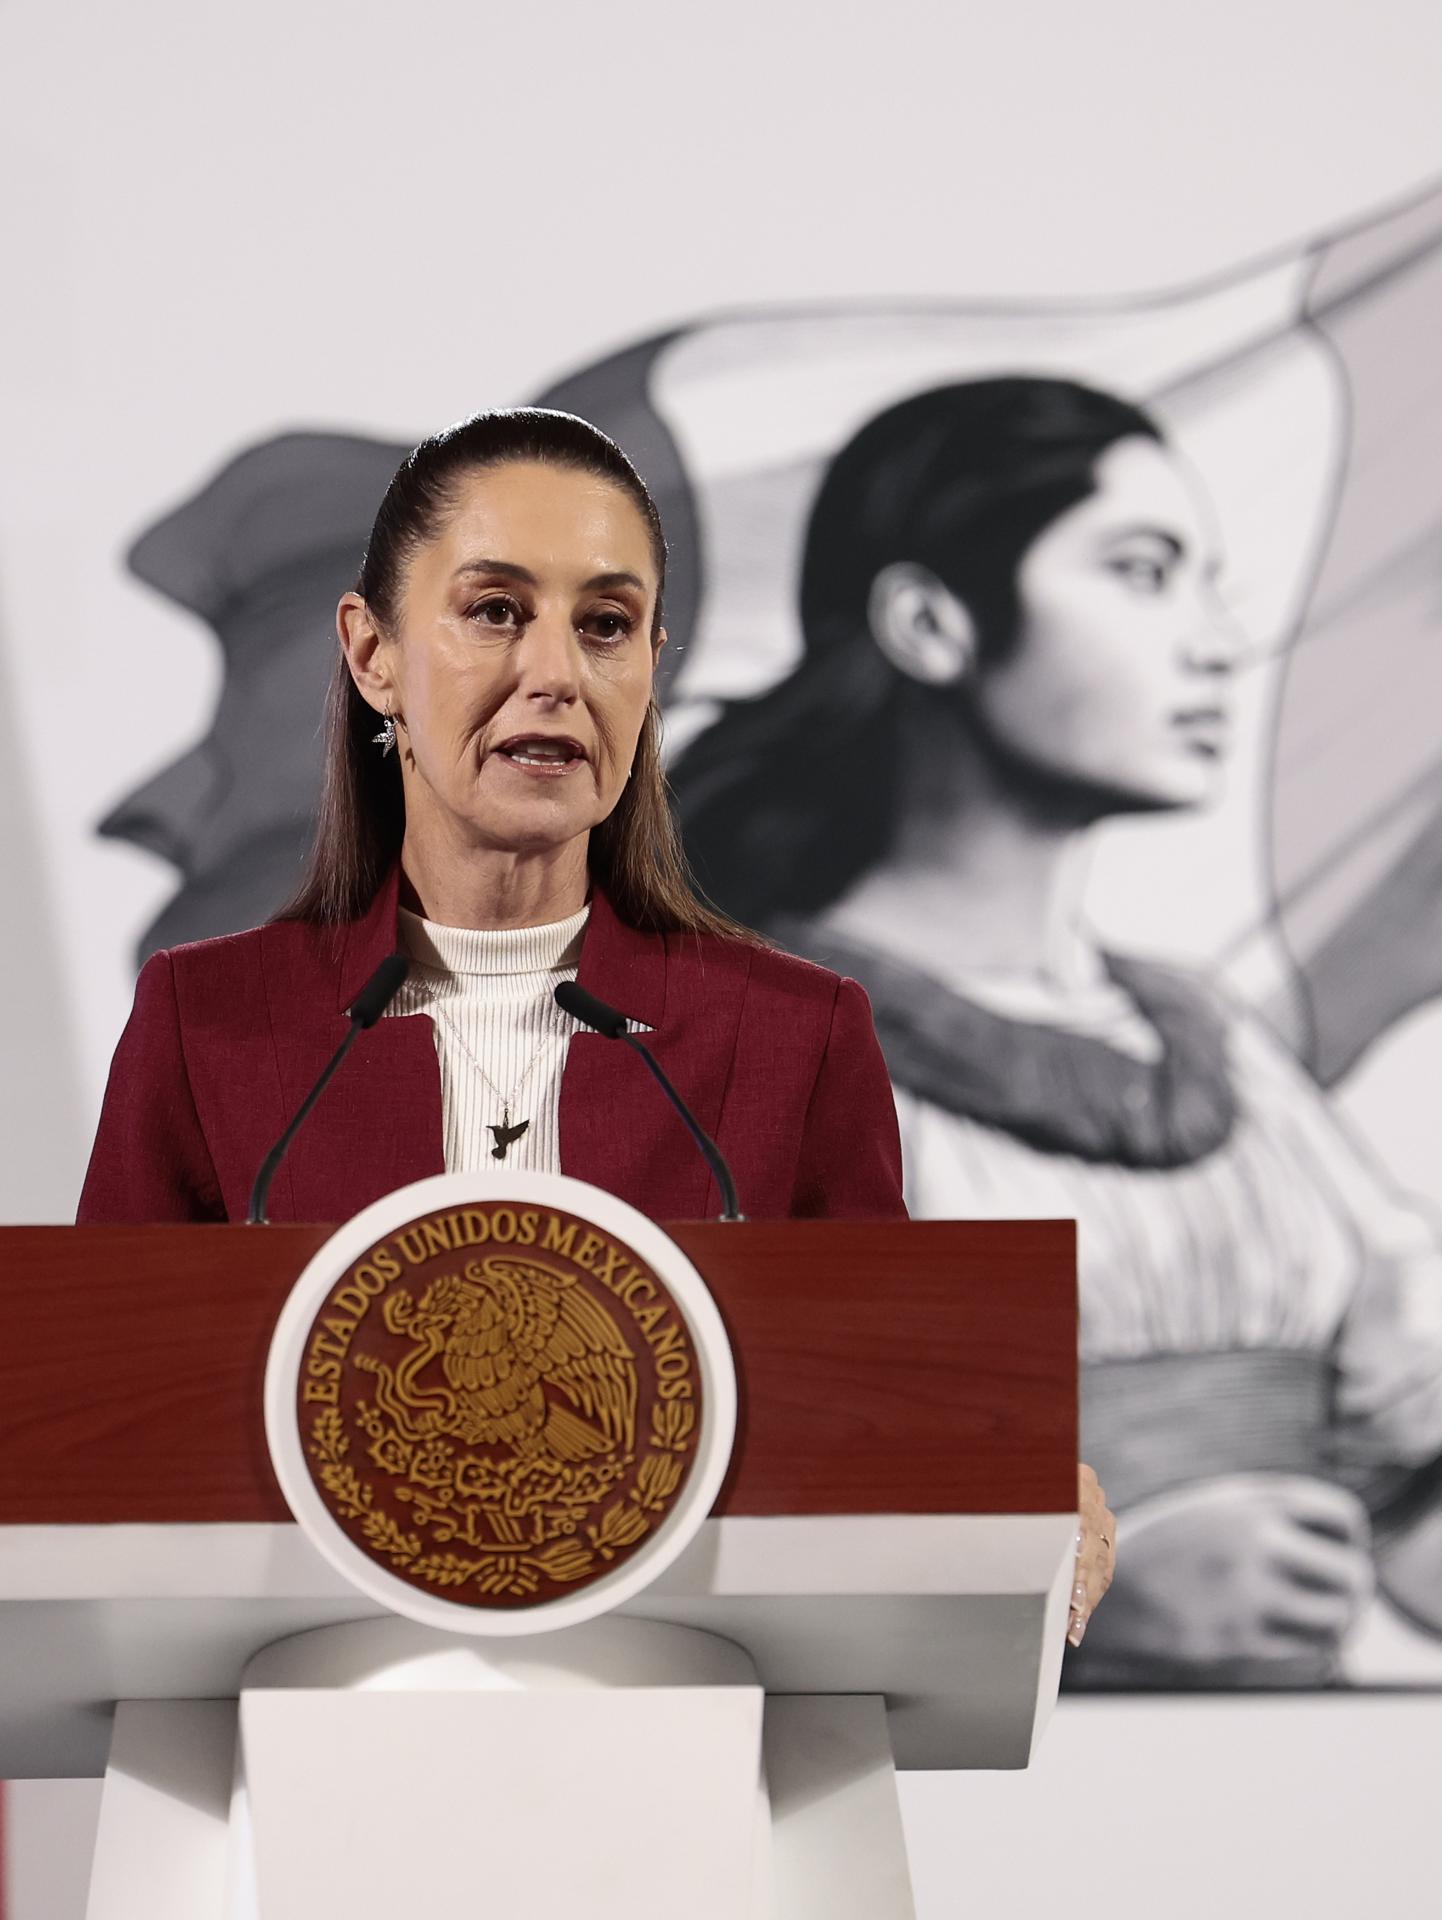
{"type": "Point", "coordinates": [489, 998]}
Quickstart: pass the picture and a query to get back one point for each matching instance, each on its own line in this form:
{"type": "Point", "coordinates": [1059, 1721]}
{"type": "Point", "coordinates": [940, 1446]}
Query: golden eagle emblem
{"type": "Point", "coordinates": [505, 1332]}
{"type": "Point", "coordinates": [502, 1421]}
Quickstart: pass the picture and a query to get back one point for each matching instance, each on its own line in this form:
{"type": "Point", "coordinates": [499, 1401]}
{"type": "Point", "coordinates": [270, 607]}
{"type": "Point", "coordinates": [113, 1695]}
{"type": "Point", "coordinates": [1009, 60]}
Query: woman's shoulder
{"type": "Point", "coordinates": [764, 969]}
{"type": "Point", "coordinates": [292, 955]}
{"type": "Point", "coordinates": [233, 952]}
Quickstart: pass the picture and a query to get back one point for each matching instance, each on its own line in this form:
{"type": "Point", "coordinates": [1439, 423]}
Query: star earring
{"type": "Point", "coordinates": [386, 738]}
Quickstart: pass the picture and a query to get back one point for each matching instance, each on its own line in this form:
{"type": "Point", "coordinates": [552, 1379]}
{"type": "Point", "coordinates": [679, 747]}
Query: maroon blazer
{"type": "Point", "coordinates": [778, 1059]}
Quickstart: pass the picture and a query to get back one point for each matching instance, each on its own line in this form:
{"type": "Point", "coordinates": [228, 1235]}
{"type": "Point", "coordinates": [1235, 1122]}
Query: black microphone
{"type": "Point", "coordinates": [367, 1007]}
{"type": "Point", "coordinates": [611, 1025]}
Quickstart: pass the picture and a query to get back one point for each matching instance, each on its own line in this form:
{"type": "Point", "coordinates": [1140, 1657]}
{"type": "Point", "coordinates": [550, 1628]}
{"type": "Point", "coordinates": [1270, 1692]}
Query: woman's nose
{"type": "Point", "coordinates": [1217, 643]}
{"type": "Point", "coordinates": [548, 661]}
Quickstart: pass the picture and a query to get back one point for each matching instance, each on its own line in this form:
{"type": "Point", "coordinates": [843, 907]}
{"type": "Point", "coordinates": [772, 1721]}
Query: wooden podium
{"type": "Point", "coordinates": [892, 1547]}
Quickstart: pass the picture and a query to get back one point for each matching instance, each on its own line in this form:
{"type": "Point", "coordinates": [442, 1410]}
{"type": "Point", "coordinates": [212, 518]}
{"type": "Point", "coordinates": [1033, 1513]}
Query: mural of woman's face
{"type": "Point", "coordinates": [1119, 686]}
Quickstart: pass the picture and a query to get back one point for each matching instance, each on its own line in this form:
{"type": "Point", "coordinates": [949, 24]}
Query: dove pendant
{"type": "Point", "coordinates": [506, 1135]}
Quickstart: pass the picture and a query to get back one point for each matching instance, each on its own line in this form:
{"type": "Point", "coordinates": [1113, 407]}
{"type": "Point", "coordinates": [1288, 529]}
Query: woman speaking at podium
{"type": "Point", "coordinates": [494, 806]}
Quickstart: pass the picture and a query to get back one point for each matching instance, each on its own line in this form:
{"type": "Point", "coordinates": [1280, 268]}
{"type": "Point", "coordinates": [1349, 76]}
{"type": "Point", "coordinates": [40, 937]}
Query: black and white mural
{"type": "Point", "coordinates": [1067, 673]}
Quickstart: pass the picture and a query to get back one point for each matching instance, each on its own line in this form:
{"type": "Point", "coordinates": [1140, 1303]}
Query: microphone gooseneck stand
{"type": "Point", "coordinates": [367, 1007]}
{"type": "Point", "coordinates": [611, 1025]}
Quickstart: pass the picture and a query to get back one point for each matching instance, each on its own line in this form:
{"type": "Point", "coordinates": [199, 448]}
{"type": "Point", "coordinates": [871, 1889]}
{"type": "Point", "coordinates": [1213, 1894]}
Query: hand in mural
{"type": "Point", "coordinates": [1252, 1578]}
{"type": "Point", "coordinates": [1096, 1553]}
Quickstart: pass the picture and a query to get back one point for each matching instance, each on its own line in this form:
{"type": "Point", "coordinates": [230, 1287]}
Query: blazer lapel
{"type": "Point", "coordinates": [618, 1130]}
{"type": "Point", "coordinates": [377, 1126]}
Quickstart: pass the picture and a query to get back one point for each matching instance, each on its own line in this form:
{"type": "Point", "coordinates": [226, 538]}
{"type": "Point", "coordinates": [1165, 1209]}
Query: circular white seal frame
{"type": "Point", "coordinates": [716, 1433]}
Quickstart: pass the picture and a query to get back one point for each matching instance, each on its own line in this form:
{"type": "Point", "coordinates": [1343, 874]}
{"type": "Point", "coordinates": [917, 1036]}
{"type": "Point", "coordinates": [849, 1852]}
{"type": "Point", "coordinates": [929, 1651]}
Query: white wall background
{"type": "Point", "coordinates": [217, 222]}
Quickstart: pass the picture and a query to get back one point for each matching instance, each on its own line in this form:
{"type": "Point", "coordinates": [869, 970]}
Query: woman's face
{"type": "Point", "coordinates": [1120, 683]}
{"type": "Point", "coordinates": [522, 666]}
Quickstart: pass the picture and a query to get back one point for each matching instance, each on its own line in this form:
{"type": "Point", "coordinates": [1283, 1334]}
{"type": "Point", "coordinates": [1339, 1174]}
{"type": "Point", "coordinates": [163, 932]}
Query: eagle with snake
{"type": "Point", "coordinates": [531, 1362]}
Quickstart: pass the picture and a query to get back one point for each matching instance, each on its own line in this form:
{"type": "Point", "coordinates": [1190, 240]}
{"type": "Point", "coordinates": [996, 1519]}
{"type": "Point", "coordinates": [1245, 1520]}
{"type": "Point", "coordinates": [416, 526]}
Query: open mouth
{"type": "Point", "coordinates": [1205, 731]}
{"type": "Point", "coordinates": [545, 753]}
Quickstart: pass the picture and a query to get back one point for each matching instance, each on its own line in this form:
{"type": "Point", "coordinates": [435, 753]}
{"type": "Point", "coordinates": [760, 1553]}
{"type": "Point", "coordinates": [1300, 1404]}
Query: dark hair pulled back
{"type": "Point", "coordinates": [789, 797]}
{"type": "Point", "coordinates": [635, 854]}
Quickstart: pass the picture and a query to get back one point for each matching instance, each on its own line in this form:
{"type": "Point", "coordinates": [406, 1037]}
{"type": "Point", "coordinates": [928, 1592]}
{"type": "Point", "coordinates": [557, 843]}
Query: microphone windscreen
{"type": "Point", "coordinates": [590, 1011]}
{"type": "Point", "coordinates": [378, 992]}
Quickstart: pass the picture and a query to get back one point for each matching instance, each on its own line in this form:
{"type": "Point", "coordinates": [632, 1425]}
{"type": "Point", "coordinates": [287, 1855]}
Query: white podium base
{"type": "Point", "coordinates": [615, 1769]}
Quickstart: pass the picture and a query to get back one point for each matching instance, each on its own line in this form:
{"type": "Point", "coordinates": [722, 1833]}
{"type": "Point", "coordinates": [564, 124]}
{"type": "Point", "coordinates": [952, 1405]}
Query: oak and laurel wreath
{"type": "Point", "coordinates": [501, 1571]}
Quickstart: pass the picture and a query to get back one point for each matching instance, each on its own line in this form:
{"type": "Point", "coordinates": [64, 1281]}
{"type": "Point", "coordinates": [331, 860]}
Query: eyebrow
{"type": "Point", "coordinates": [1145, 530]}
{"type": "Point", "coordinates": [1213, 565]}
{"type": "Point", "coordinates": [508, 570]}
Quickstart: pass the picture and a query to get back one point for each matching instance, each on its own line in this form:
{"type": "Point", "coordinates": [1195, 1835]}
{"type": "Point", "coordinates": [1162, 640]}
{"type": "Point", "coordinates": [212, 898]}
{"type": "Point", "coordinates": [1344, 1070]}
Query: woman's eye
{"type": "Point", "coordinates": [608, 626]}
{"type": "Point", "coordinates": [496, 612]}
{"type": "Point", "coordinates": [1141, 573]}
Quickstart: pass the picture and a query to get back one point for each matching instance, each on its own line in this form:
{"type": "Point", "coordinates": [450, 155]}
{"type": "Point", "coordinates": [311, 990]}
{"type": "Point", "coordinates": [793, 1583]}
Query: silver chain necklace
{"type": "Point", "coordinates": [505, 1134]}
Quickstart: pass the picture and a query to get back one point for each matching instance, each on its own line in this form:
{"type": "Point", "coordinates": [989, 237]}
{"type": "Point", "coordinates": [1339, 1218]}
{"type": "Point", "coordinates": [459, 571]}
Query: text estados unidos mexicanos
{"type": "Point", "coordinates": [611, 1265]}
